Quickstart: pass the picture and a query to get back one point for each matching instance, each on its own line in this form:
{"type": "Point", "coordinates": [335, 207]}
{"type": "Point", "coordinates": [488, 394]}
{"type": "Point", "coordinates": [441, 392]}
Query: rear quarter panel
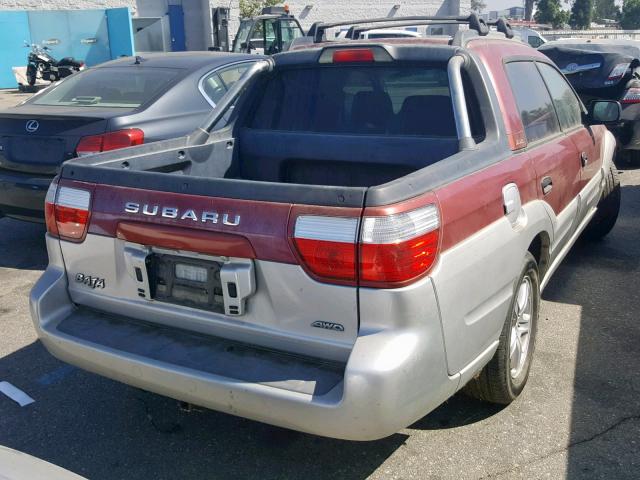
{"type": "Point", "coordinates": [482, 254]}
{"type": "Point", "coordinates": [176, 113]}
{"type": "Point", "coordinates": [482, 251]}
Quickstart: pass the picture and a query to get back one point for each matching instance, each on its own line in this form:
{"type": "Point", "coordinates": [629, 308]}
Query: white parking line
{"type": "Point", "coordinates": [15, 394]}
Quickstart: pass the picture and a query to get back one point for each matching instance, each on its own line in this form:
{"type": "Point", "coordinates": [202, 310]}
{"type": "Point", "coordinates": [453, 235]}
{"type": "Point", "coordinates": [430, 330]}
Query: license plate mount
{"type": "Point", "coordinates": [186, 281]}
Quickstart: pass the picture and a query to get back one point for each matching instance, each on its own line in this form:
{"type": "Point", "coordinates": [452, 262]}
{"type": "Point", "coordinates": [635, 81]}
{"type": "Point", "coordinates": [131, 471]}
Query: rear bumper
{"type": "Point", "coordinates": [391, 379]}
{"type": "Point", "coordinates": [22, 195]}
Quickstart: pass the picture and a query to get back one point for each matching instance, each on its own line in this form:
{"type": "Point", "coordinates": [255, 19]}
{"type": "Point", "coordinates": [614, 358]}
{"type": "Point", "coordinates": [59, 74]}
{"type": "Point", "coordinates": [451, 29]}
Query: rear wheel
{"type": "Point", "coordinates": [31, 75]}
{"type": "Point", "coordinates": [632, 157]}
{"type": "Point", "coordinates": [608, 208]}
{"type": "Point", "coordinates": [504, 377]}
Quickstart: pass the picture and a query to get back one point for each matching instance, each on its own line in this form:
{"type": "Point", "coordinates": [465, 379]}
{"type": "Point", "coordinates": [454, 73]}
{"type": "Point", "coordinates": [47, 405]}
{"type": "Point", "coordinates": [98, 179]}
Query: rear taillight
{"type": "Point", "coordinates": [327, 246]}
{"type": "Point", "coordinates": [67, 212]}
{"type": "Point", "coordinates": [631, 95]}
{"type": "Point", "coordinates": [618, 71]}
{"type": "Point", "coordinates": [392, 250]}
{"type": "Point", "coordinates": [110, 141]}
{"type": "Point", "coordinates": [400, 247]}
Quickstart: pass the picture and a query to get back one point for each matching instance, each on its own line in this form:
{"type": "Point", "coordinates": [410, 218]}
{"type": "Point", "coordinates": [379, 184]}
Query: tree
{"type": "Point", "coordinates": [605, 9]}
{"type": "Point", "coordinates": [478, 6]}
{"type": "Point", "coordinates": [630, 18]}
{"type": "Point", "coordinates": [581, 14]}
{"type": "Point", "coordinates": [251, 8]}
{"type": "Point", "coordinates": [550, 12]}
{"type": "Point", "coordinates": [528, 9]}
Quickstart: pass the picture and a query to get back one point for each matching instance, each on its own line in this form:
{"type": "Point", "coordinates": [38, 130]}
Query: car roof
{"type": "Point", "coordinates": [184, 60]}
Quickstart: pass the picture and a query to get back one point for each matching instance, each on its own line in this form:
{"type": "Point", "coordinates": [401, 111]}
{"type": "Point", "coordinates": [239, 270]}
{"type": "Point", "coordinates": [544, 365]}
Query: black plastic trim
{"type": "Point", "coordinates": [219, 187]}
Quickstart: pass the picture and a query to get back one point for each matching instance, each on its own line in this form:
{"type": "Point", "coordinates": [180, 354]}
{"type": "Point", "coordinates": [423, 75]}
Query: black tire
{"type": "Point", "coordinates": [632, 157]}
{"type": "Point", "coordinates": [31, 75]}
{"type": "Point", "coordinates": [608, 208]}
{"type": "Point", "coordinates": [495, 382]}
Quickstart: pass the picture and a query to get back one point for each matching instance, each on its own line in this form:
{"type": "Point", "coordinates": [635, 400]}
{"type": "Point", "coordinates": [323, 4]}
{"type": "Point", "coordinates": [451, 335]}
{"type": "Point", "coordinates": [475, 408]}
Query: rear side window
{"type": "Point", "coordinates": [216, 84]}
{"type": "Point", "coordinates": [533, 100]}
{"type": "Point", "coordinates": [535, 42]}
{"type": "Point", "coordinates": [113, 87]}
{"type": "Point", "coordinates": [566, 103]}
{"type": "Point", "coordinates": [412, 101]}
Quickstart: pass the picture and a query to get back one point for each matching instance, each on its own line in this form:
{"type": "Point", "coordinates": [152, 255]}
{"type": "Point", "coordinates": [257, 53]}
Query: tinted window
{"type": "Point", "coordinates": [359, 100]}
{"type": "Point", "coordinates": [533, 100]}
{"type": "Point", "coordinates": [567, 105]}
{"type": "Point", "coordinates": [216, 84]}
{"type": "Point", "coordinates": [535, 42]}
{"type": "Point", "coordinates": [125, 87]}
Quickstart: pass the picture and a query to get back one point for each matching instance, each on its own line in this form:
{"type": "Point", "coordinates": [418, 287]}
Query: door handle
{"type": "Point", "coordinates": [584, 159]}
{"type": "Point", "coordinates": [547, 185]}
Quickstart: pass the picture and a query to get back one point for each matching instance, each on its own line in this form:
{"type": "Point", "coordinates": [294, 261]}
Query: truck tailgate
{"type": "Point", "coordinates": [218, 266]}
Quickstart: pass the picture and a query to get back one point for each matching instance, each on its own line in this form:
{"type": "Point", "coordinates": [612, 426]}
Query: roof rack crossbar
{"type": "Point", "coordinates": [317, 30]}
{"type": "Point", "coordinates": [503, 26]}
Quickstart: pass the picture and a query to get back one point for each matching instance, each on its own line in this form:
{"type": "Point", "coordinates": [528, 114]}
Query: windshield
{"type": "Point", "coordinates": [116, 87]}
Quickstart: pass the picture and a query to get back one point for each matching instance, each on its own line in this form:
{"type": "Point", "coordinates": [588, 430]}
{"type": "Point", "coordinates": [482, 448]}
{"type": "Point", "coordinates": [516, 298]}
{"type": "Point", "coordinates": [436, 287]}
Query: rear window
{"type": "Point", "coordinates": [376, 100]}
{"type": "Point", "coordinates": [112, 87]}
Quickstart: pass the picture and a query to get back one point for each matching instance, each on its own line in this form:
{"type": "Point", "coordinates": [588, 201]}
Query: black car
{"type": "Point", "coordinates": [605, 70]}
{"type": "Point", "coordinates": [118, 104]}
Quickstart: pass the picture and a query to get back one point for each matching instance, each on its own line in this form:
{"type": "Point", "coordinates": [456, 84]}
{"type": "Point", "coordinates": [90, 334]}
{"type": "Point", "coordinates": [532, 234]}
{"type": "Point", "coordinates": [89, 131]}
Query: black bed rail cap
{"type": "Point", "coordinates": [318, 29]}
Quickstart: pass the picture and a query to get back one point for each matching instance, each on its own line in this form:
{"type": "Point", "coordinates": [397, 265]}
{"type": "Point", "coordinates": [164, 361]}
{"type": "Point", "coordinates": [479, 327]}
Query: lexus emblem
{"type": "Point", "coordinates": [32, 126]}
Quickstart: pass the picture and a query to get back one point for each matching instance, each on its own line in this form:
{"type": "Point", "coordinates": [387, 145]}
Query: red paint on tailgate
{"type": "Point", "coordinates": [178, 238]}
{"type": "Point", "coordinates": [263, 224]}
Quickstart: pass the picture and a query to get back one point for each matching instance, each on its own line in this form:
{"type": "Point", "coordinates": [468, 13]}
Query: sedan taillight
{"type": "Point", "coordinates": [631, 95]}
{"type": "Point", "coordinates": [67, 212]}
{"type": "Point", "coordinates": [110, 141]}
{"type": "Point", "coordinates": [618, 71]}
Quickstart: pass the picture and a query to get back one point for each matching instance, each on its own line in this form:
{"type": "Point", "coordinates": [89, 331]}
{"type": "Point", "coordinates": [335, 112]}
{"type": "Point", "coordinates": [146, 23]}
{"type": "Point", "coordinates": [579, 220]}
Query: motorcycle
{"type": "Point", "coordinates": [41, 64]}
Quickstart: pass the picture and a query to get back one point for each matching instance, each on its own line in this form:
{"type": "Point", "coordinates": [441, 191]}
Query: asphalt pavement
{"type": "Point", "coordinates": [578, 418]}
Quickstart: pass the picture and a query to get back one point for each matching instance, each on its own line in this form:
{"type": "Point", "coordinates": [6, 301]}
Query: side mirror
{"type": "Point", "coordinates": [603, 112]}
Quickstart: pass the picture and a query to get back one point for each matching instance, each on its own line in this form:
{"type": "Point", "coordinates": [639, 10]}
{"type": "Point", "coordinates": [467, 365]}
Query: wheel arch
{"type": "Point", "coordinates": [540, 248]}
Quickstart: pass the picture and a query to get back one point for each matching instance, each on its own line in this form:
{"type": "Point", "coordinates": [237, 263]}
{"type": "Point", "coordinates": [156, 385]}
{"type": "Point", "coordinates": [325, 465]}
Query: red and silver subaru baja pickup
{"type": "Point", "coordinates": [360, 230]}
